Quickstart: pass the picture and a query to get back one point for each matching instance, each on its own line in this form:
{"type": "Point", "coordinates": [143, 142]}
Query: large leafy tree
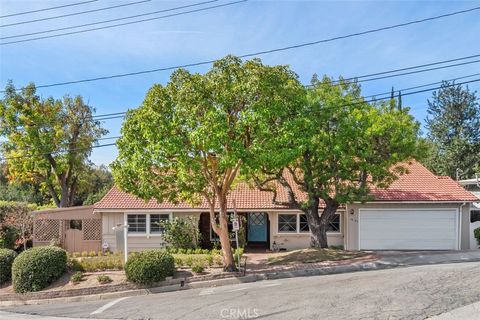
{"type": "Point", "coordinates": [20, 191]}
{"type": "Point", "coordinates": [47, 140]}
{"type": "Point", "coordinates": [453, 124]}
{"type": "Point", "coordinates": [191, 138]}
{"type": "Point", "coordinates": [344, 146]}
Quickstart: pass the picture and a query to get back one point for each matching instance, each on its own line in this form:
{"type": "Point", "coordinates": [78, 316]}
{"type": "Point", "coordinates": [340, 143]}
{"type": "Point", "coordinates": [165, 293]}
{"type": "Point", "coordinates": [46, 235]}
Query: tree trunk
{"type": "Point", "coordinates": [221, 229]}
{"type": "Point", "coordinates": [64, 195]}
{"type": "Point", "coordinates": [318, 224]}
{"type": "Point", "coordinates": [225, 237]}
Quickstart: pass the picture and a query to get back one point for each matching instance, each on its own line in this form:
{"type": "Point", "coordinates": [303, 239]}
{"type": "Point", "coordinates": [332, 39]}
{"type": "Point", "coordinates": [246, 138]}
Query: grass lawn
{"type": "Point", "coordinates": [312, 255]}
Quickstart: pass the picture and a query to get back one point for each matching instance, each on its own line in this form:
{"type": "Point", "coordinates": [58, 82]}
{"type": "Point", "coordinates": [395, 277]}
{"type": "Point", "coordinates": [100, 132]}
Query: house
{"type": "Point", "coordinates": [419, 211]}
{"type": "Point", "coordinates": [473, 185]}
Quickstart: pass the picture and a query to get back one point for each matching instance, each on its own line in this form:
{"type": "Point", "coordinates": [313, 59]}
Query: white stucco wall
{"type": "Point", "coordinates": [136, 242]}
{"type": "Point", "coordinates": [293, 241]}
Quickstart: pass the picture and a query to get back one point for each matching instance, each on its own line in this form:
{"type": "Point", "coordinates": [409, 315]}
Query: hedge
{"type": "Point", "coordinates": [6, 260]}
{"type": "Point", "coordinates": [36, 268]}
{"type": "Point", "coordinates": [476, 234]}
{"type": "Point", "coordinates": [149, 266]}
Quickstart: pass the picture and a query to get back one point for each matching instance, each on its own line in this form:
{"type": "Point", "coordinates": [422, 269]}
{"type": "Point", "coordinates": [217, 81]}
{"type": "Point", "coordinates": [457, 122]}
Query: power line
{"type": "Point", "coordinates": [259, 52]}
{"type": "Point", "coordinates": [419, 71]}
{"type": "Point", "coordinates": [410, 68]}
{"type": "Point", "coordinates": [57, 151]}
{"type": "Point", "coordinates": [120, 115]}
{"type": "Point", "coordinates": [46, 9]}
{"type": "Point", "coordinates": [354, 103]}
{"type": "Point", "coordinates": [74, 14]}
{"type": "Point", "coordinates": [118, 24]}
{"type": "Point", "coordinates": [423, 85]}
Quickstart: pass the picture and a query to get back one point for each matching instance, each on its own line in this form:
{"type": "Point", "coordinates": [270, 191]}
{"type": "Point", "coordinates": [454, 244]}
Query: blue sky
{"type": "Point", "coordinates": [237, 29]}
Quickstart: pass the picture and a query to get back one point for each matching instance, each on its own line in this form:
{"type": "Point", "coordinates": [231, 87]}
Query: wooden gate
{"type": "Point", "coordinates": [73, 240]}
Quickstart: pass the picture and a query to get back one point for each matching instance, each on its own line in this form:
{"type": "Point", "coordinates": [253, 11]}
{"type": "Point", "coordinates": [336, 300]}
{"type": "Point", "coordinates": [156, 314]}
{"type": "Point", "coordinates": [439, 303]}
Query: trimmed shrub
{"type": "Point", "coordinates": [149, 266]}
{"type": "Point", "coordinates": [197, 268]}
{"type": "Point", "coordinates": [76, 277]}
{"type": "Point", "coordinates": [103, 278]}
{"type": "Point", "coordinates": [6, 260]}
{"type": "Point", "coordinates": [93, 264]}
{"type": "Point", "coordinates": [36, 268]}
{"type": "Point", "coordinates": [476, 234]}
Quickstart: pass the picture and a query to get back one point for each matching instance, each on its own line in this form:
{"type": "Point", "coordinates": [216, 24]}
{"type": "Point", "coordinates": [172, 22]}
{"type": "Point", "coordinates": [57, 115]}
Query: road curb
{"type": "Point", "coordinates": [369, 266]}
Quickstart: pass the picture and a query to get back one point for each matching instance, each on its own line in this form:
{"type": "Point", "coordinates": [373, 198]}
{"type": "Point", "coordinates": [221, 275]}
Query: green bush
{"type": "Point", "coordinates": [150, 266]}
{"type": "Point", "coordinates": [182, 233]}
{"type": "Point", "coordinates": [184, 260]}
{"type": "Point", "coordinates": [198, 267]}
{"type": "Point", "coordinates": [6, 260]}
{"type": "Point", "coordinates": [476, 233]}
{"type": "Point", "coordinates": [92, 264]}
{"type": "Point", "coordinates": [8, 236]}
{"type": "Point", "coordinates": [103, 278]}
{"type": "Point", "coordinates": [36, 268]}
{"type": "Point", "coordinates": [76, 277]}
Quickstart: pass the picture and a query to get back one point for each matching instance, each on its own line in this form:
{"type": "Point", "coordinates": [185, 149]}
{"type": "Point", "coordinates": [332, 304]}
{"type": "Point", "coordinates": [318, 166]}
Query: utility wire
{"type": "Point", "coordinates": [247, 55]}
{"type": "Point", "coordinates": [117, 137]}
{"type": "Point", "coordinates": [74, 14]}
{"type": "Point", "coordinates": [120, 115]}
{"type": "Point", "coordinates": [419, 71]}
{"type": "Point", "coordinates": [412, 67]}
{"type": "Point", "coordinates": [118, 24]}
{"type": "Point", "coordinates": [57, 151]}
{"type": "Point", "coordinates": [422, 85]}
{"type": "Point", "coordinates": [46, 9]}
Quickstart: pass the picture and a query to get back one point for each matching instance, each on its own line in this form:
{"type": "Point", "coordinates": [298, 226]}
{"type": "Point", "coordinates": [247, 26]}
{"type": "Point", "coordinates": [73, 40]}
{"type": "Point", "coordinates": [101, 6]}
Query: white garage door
{"type": "Point", "coordinates": [408, 229]}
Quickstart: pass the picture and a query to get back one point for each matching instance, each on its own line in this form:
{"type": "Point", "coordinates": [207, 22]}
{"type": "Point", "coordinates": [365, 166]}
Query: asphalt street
{"type": "Point", "coordinates": [404, 293]}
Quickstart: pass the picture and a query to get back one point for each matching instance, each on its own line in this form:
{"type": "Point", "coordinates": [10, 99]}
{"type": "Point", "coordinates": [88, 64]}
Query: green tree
{"type": "Point", "coordinates": [191, 138]}
{"type": "Point", "coordinates": [344, 147]}
{"type": "Point", "coordinates": [453, 124]}
{"type": "Point", "coordinates": [20, 191]}
{"type": "Point", "coordinates": [95, 183]}
{"type": "Point", "coordinates": [48, 141]}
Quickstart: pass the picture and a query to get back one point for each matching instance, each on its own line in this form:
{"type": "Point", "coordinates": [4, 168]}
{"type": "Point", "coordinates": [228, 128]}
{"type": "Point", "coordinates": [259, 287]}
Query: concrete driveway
{"type": "Point", "coordinates": [415, 258]}
{"type": "Point", "coordinates": [404, 293]}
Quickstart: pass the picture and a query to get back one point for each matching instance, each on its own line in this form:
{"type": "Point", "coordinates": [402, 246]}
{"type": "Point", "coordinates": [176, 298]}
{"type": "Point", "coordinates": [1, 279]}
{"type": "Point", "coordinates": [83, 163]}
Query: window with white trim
{"type": "Point", "coordinates": [334, 225]}
{"type": "Point", "coordinates": [287, 223]}
{"type": "Point", "coordinates": [304, 223]}
{"type": "Point", "coordinates": [156, 220]}
{"type": "Point", "coordinates": [297, 223]}
{"type": "Point", "coordinates": [137, 223]}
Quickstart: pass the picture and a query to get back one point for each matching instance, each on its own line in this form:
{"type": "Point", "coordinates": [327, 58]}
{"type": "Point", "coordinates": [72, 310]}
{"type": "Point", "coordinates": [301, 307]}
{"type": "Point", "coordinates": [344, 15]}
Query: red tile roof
{"type": "Point", "coordinates": [418, 184]}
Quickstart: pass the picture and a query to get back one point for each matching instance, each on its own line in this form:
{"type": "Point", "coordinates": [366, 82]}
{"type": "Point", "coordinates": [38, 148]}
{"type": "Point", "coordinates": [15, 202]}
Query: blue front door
{"type": "Point", "coordinates": [257, 227]}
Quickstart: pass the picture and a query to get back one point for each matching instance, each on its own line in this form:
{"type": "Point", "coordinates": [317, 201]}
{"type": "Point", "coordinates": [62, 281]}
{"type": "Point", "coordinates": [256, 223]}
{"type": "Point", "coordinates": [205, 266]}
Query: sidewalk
{"type": "Point", "coordinates": [257, 271]}
{"type": "Point", "coordinates": [470, 312]}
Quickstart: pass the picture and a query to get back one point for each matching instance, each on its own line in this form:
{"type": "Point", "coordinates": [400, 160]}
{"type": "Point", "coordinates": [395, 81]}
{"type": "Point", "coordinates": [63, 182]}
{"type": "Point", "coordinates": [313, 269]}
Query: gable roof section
{"type": "Point", "coordinates": [418, 184]}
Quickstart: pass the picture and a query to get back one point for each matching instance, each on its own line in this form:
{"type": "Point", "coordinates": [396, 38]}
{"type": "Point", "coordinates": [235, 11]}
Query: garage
{"type": "Point", "coordinates": [408, 229]}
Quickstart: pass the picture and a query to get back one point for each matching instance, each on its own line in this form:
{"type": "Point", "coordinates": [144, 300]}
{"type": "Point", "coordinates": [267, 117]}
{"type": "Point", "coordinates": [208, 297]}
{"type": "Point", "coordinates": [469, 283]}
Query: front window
{"type": "Point", "coordinates": [75, 224]}
{"type": "Point", "coordinates": [137, 223]}
{"type": "Point", "coordinates": [156, 222]}
{"type": "Point", "coordinates": [474, 215]}
{"type": "Point", "coordinates": [334, 225]}
{"type": "Point", "coordinates": [287, 223]}
{"type": "Point", "coordinates": [304, 224]}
